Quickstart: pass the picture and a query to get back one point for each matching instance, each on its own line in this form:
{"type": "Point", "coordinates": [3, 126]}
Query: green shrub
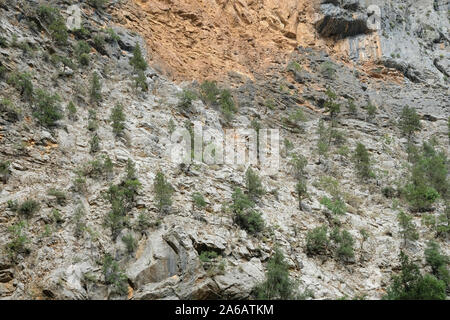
{"type": "Point", "coordinates": [96, 88]}
{"type": "Point", "coordinates": [323, 143]}
{"type": "Point", "coordinates": [345, 243]}
{"type": "Point", "coordinates": [294, 66]}
{"type": "Point", "coordinates": [47, 109]}
{"type": "Point", "coordinates": [389, 192]}
{"type": "Point", "coordinates": [19, 241]}
{"type": "Point", "coordinates": [117, 120]}
{"type": "Point", "coordinates": [78, 219]}
{"type": "Point", "coordinates": [301, 191]}
{"type": "Point", "coordinates": [209, 92]}
{"type": "Point", "coordinates": [352, 106]}
{"type": "Point", "coordinates": [71, 111]}
{"type": "Point", "coordinates": [3, 72]}
{"type": "Point", "coordinates": [99, 42]}
{"type": "Point", "coordinates": [94, 144]}
{"type": "Point", "coordinates": [97, 168]}
{"type": "Point", "coordinates": [227, 104]}
{"type": "Point", "coordinates": [114, 276]}
{"type": "Point", "coordinates": [140, 81]}
{"type": "Point", "coordinates": [28, 207]}
{"type": "Point", "coordinates": [3, 42]}
{"type": "Point", "coordinates": [59, 195]}
{"type": "Point", "coordinates": [112, 35]}
{"type": "Point", "coordinates": [186, 97]}
{"type": "Point", "coordinates": [408, 228]}
{"type": "Point", "coordinates": [296, 118]}
{"type": "Point", "coordinates": [81, 33]}
{"type": "Point", "coordinates": [328, 69]}
{"type": "Point", "coordinates": [331, 105]}
{"type": "Point", "coordinates": [207, 256]}
{"type": "Point", "coordinates": [317, 241]}
{"type": "Point", "coordinates": [250, 220]}
{"type": "Point", "coordinates": [56, 216]}
{"type": "Point", "coordinates": [198, 200]}
{"type": "Point", "coordinates": [362, 161]}
{"type": "Point", "coordinates": [22, 82]}
{"type": "Point", "coordinates": [58, 31]}
{"type": "Point", "coordinates": [245, 216]}
{"type": "Point", "coordinates": [82, 50]}
{"type": "Point", "coordinates": [163, 192]}
{"type": "Point", "coordinates": [371, 110]}
{"type": "Point", "coordinates": [253, 184]}
{"type": "Point", "coordinates": [55, 22]}
{"type": "Point", "coordinates": [438, 261]}
{"type": "Point", "coordinates": [411, 285]}
{"type": "Point", "coordinates": [298, 164]}
{"type": "Point", "coordinates": [420, 196]}
{"type": "Point", "coordinates": [409, 122]}
{"type": "Point", "coordinates": [138, 62]}
{"type": "Point", "coordinates": [5, 171]}
{"type": "Point", "coordinates": [336, 205]}
{"type": "Point", "coordinates": [130, 242]}
{"type": "Point", "coordinates": [277, 284]}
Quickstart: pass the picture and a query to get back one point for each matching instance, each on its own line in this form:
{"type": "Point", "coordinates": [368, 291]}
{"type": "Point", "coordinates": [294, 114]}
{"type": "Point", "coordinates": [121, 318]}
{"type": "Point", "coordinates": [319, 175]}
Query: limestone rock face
{"type": "Point", "coordinates": [277, 59]}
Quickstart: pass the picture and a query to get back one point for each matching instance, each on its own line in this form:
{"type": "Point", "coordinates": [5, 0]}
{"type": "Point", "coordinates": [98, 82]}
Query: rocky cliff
{"type": "Point", "coordinates": [277, 59]}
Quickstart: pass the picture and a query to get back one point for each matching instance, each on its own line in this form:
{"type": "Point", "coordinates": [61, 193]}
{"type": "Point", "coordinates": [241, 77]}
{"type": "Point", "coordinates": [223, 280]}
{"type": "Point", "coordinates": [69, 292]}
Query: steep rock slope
{"type": "Point", "coordinates": [286, 67]}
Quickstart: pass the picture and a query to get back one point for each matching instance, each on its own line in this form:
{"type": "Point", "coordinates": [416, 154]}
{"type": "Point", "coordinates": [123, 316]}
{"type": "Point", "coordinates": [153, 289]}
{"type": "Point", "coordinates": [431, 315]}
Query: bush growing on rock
{"type": "Point", "coordinates": [209, 92]}
{"type": "Point", "coordinates": [19, 240]}
{"type": "Point", "coordinates": [331, 105]}
{"type": "Point", "coordinates": [408, 228]}
{"type": "Point", "coordinates": [28, 207]}
{"type": "Point", "coordinates": [138, 62]}
{"type": "Point", "coordinates": [78, 219]}
{"type": "Point", "coordinates": [409, 122]}
{"type": "Point", "coordinates": [9, 111]}
{"type": "Point", "coordinates": [277, 284]}
{"type": "Point", "coordinates": [117, 120]}
{"type": "Point", "coordinates": [140, 81]}
{"type": "Point", "coordinates": [198, 200]}
{"type": "Point", "coordinates": [302, 191]}
{"type": "Point", "coordinates": [438, 261]}
{"type": "Point", "coordinates": [328, 69]}
{"type": "Point", "coordinates": [227, 105]}
{"type": "Point", "coordinates": [245, 216]}
{"type": "Point", "coordinates": [207, 256]}
{"type": "Point", "coordinates": [22, 82]}
{"type": "Point", "coordinates": [47, 108]}
{"type": "Point", "coordinates": [55, 22]}
{"type": "Point", "coordinates": [163, 192]}
{"type": "Point", "coordinates": [96, 88]}
{"type": "Point", "coordinates": [362, 161]}
{"type": "Point", "coordinates": [298, 164]}
{"type": "Point", "coordinates": [336, 205]}
{"type": "Point", "coordinates": [72, 111]}
{"type": "Point", "coordinates": [410, 284]}
{"type": "Point", "coordinates": [94, 144]}
{"type": "Point", "coordinates": [114, 275]}
{"type": "Point", "coordinates": [59, 195]}
{"type": "Point", "coordinates": [253, 184]}
{"type": "Point", "coordinates": [186, 97]}
{"type": "Point", "coordinates": [82, 50]}
{"type": "Point", "coordinates": [5, 171]}
{"type": "Point", "coordinates": [317, 241]}
{"type": "Point", "coordinates": [130, 242]}
{"type": "Point", "coordinates": [345, 243]}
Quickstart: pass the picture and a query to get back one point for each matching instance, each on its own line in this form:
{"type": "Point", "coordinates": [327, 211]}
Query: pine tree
{"type": "Point", "coordinates": [163, 192]}
{"type": "Point", "coordinates": [409, 122]}
{"type": "Point", "coordinates": [138, 62]}
{"type": "Point", "coordinates": [408, 228]}
{"type": "Point", "coordinates": [278, 284]}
